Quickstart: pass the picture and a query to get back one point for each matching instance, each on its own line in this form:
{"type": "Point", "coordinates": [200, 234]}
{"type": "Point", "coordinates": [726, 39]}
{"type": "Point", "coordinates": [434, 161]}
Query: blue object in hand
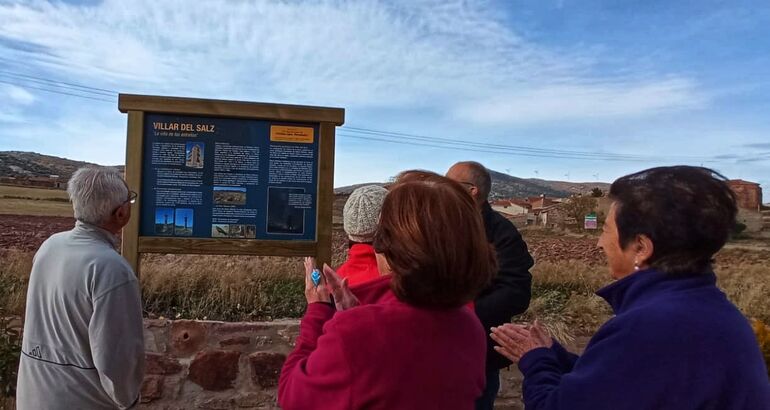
{"type": "Point", "coordinates": [315, 276]}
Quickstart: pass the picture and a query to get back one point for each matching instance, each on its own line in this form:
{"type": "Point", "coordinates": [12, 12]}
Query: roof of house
{"type": "Point", "coordinates": [521, 202]}
{"type": "Point", "coordinates": [741, 182]}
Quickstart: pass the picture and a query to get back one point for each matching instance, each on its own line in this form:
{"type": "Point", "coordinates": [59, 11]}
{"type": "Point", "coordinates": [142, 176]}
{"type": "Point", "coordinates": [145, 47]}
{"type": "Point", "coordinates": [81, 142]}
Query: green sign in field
{"type": "Point", "coordinates": [591, 222]}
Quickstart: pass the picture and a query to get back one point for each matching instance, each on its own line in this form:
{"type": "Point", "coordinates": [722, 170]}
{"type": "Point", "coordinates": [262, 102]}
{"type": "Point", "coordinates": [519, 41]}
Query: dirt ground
{"type": "Point", "coordinates": [28, 232]}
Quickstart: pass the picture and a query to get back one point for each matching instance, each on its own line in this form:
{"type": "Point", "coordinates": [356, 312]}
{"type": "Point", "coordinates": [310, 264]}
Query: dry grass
{"type": "Point", "coordinates": [27, 207]}
{"type": "Point", "coordinates": [763, 337]}
{"type": "Point", "coordinates": [262, 288]}
{"type": "Point", "coordinates": [564, 295]}
{"type": "Point", "coordinates": [748, 287]}
{"type": "Point", "coordinates": [33, 193]}
{"type": "Point", "coordinates": [15, 266]}
{"type": "Point", "coordinates": [563, 298]}
{"type": "Point", "coordinates": [222, 287]}
{"type": "Point", "coordinates": [34, 201]}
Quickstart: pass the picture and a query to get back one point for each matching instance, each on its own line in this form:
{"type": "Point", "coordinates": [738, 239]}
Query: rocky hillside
{"type": "Point", "coordinates": [30, 164]}
{"type": "Point", "coordinates": [507, 186]}
{"type": "Point", "coordinates": [571, 187]}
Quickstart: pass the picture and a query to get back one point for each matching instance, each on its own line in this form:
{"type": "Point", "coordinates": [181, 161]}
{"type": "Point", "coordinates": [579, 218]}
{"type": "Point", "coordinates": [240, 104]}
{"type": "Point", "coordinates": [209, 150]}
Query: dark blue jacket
{"type": "Point", "coordinates": [510, 290]}
{"type": "Point", "coordinates": [676, 342]}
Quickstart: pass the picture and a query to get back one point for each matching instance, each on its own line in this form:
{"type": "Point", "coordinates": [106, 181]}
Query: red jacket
{"type": "Point", "coordinates": [361, 265]}
{"type": "Point", "coordinates": [387, 355]}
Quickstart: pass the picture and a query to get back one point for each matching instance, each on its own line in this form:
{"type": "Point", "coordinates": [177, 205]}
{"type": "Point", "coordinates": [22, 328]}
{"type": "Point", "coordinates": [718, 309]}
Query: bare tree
{"type": "Point", "coordinates": [579, 206]}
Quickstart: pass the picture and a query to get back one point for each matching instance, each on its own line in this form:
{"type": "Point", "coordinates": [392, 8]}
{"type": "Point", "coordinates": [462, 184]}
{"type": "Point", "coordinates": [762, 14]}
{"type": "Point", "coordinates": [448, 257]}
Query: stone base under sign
{"type": "Point", "coordinates": [218, 365]}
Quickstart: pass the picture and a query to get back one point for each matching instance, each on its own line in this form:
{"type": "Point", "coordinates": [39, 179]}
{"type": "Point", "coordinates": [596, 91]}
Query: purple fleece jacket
{"type": "Point", "coordinates": [676, 342]}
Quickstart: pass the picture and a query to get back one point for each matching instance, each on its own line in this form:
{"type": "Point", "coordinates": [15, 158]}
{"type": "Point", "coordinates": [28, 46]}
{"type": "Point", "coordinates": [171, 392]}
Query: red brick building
{"type": "Point", "coordinates": [748, 194]}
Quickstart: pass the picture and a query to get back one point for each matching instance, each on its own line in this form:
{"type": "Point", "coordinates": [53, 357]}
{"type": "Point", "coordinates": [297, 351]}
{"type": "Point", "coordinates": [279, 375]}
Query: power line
{"type": "Point", "coordinates": [599, 155]}
{"type": "Point", "coordinates": [452, 141]}
{"type": "Point", "coordinates": [497, 147]}
{"type": "Point", "coordinates": [56, 91]}
{"type": "Point", "coordinates": [57, 82]}
{"type": "Point", "coordinates": [58, 86]}
{"type": "Point", "coordinates": [94, 93]}
{"type": "Point", "coordinates": [523, 154]}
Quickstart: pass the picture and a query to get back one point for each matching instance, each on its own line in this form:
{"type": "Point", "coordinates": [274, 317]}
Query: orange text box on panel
{"type": "Point", "coordinates": [283, 133]}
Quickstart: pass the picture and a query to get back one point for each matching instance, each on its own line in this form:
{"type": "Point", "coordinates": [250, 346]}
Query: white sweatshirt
{"type": "Point", "coordinates": [83, 346]}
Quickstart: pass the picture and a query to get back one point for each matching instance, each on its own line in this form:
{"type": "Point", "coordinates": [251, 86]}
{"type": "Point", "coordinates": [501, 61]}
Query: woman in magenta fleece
{"type": "Point", "coordinates": [422, 349]}
{"type": "Point", "coordinates": [675, 342]}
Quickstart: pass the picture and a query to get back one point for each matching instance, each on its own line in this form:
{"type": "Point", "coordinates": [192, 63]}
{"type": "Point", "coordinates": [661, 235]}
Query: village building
{"type": "Point", "coordinates": [551, 216]}
{"type": "Point", "coordinates": [540, 202]}
{"type": "Point", "coordinates": [748, 194]}
{"type": "Point", "coordinates": [511, 207]}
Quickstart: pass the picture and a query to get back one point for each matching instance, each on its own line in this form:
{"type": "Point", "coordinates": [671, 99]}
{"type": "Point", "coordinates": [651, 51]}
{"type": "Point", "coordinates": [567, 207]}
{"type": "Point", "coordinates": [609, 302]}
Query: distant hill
{"type": "Point", "coordinates": [507, 186]}
{"type": "Point", "coordinates": [21, 164]}
{"type": "Point", "coordinates": [572, 187]}
{"type": "Point", "coordinates": [29, 164]}
{"type": "Point", "coordinates": [347, 190]}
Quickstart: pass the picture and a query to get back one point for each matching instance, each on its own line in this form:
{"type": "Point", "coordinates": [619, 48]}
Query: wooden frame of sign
{"type": "Point", "coordinates": [327, 119]}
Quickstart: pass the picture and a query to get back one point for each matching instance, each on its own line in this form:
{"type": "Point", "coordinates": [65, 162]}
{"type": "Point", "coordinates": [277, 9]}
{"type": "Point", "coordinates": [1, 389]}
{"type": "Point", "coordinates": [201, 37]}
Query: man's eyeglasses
{"type": "Point", "coordinates": [131, 200]}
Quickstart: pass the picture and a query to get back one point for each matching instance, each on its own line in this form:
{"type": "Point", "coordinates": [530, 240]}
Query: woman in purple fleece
{"type": "Point", "coordinates": [675, 342]}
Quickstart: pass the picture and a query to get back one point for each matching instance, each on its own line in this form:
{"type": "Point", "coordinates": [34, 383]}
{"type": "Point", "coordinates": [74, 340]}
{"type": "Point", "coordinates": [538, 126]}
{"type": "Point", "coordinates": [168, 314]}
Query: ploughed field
{"type": "Point", "coordinates": [27, 232]}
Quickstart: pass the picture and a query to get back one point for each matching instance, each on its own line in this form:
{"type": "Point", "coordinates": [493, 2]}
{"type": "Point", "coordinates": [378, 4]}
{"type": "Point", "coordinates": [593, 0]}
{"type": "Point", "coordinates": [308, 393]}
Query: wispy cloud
{"type": "Point", "coordinates": [13, 100]}
{"type": "Point", "coordinates": [758, 145]}
{"type": "Point", "coordinates": [18, 95]}
{"type": "Point", "coordinates": [369, 54]}
{"type": "Point", "coordinates": [583, 101]}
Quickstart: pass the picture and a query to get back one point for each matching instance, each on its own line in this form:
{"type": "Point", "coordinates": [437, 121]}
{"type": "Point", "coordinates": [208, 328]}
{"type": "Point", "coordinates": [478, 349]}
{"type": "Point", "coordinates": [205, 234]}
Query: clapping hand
{"type": "Point", "coordinates": [315, 292]}
{"type": "Point", "coordinates": [343, 298]}
{"type": "Point", "coordinates": [516, 340]}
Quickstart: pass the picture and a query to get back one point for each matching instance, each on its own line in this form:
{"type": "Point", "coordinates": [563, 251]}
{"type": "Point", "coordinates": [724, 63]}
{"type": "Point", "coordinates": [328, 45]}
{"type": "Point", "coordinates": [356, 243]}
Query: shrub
{"type": "Point", "coordinates": [10, 351]}
{"type": "Point", "coordinates": [738, 229]}
{"type": "Point", "coordinates": [762, 331]}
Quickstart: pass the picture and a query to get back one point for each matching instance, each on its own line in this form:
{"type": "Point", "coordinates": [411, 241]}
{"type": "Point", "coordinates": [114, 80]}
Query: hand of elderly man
{"type": "Point", "coordinates": [343, 298]}
{"type": "Point", "coordinates": [516, 340]}
{"type": "Point", "coordinates": [315, 291]}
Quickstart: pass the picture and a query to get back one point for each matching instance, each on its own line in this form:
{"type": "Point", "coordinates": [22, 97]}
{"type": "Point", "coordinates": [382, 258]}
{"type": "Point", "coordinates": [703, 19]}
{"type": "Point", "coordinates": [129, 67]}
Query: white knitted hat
{"type": "Point", "coordinates": [362, 212]}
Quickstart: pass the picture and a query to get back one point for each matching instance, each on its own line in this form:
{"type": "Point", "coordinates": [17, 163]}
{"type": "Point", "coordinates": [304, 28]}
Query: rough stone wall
{"type": "Point", "coordinates": [752, 219]}
{"type": "Point", "coordinates": [214, 365]}
{"type": "Point", "coordinates": [219, 365]}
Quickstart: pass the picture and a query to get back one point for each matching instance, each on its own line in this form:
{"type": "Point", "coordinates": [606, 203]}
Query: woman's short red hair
{"type": "Point", "coordinates": [433, 237]}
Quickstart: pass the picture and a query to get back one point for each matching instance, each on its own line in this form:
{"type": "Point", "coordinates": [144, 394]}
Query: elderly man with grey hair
{"type": "Point", "coordinates": [83, 345]}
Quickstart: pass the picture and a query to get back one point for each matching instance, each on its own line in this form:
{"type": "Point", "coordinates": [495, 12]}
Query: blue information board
{"type": "Point", "coordinates": [229, 178]}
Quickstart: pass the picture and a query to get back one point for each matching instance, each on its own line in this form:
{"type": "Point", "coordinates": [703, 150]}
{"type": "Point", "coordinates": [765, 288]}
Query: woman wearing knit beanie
{"type": "Point", "coordinates": [360, 216]}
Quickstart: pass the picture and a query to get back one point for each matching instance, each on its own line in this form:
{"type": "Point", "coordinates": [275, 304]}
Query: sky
{"type": "Point", "coordinates": [563, 89]}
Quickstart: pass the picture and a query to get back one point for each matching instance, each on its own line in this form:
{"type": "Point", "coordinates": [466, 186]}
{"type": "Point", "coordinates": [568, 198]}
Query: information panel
{"type": "Point", "coordinates": [229, 178]}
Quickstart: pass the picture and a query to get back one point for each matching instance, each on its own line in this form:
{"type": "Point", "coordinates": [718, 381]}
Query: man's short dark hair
{"type": "Point", "coordinates": [479, 176]}
{"type": "Point", "coordinates": [687, 212]}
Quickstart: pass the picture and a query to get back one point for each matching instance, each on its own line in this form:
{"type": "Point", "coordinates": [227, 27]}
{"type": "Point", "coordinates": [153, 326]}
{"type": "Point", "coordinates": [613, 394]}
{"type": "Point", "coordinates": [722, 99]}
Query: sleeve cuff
{"type": "Point", "coordinates": [319, 311]}
{"type": "Point", "coordinates": [533, 356]}
{"type": "Point", "coordinates": [558, 348]}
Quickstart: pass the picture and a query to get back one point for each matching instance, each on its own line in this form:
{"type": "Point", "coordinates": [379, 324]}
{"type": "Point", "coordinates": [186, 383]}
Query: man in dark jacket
{"type": "Point", "coordinates": [509, 293]}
